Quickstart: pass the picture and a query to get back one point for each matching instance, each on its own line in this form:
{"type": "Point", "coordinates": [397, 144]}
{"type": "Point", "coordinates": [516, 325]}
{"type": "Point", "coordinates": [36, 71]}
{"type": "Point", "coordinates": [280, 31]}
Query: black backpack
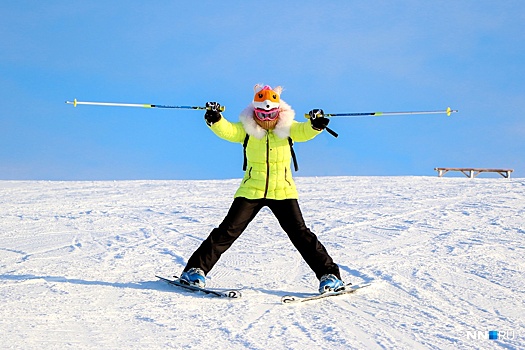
{"type": "Point", "coordinates": [290, 141]}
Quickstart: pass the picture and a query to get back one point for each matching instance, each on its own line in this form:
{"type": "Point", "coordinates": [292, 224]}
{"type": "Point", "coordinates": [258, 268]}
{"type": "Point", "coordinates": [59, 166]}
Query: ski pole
{"type": "Point", "coordinates": [142, 105]}
{"type": "Point", "coordinates": [448, 111]}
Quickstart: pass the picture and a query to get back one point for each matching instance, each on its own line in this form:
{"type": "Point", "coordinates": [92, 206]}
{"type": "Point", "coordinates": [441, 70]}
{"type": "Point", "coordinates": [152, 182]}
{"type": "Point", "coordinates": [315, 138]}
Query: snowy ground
{"type": "Point", "coordinates": [445, 257]}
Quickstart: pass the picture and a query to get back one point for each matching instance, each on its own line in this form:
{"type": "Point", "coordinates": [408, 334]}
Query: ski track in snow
{"type": "Point", "coordinates": [444, 256]}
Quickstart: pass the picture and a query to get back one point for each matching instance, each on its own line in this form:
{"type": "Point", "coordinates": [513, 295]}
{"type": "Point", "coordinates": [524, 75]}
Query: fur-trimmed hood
{"type": "Point", "coordinates": [282, 128]}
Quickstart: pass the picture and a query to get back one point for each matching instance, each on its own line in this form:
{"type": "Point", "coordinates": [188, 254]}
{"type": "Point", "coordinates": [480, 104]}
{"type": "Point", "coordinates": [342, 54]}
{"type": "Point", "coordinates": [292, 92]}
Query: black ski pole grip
{"type": "Point", "coordinates": [331, 132]}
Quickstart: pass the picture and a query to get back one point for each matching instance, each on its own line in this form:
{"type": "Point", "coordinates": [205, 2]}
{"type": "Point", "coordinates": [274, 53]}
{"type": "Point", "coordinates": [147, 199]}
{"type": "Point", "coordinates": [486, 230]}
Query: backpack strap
{"type": "Point", "coordinates": [245, 164]}
{"type": "Point", "coordinates": [290, 142]}
{"type": "Point", "coordinates": [294, 158]}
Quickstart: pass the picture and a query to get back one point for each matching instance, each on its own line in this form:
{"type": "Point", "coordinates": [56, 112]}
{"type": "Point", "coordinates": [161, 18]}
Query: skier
{"type": "Point", "coordinates": [266, 129]}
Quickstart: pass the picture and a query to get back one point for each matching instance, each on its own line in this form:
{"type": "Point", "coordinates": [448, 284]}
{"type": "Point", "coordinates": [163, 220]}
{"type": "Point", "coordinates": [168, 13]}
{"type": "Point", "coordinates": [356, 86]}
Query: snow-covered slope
{"type": "Point", "coordinates": [445, 257]}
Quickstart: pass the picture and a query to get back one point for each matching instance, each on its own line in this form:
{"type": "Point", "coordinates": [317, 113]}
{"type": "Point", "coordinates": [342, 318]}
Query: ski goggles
{"type": "Point", "coordinates": [265, 115]}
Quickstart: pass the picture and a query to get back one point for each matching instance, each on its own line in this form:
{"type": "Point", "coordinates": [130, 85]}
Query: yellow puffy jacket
{"type": "Point", "coordinates": [268, 173]}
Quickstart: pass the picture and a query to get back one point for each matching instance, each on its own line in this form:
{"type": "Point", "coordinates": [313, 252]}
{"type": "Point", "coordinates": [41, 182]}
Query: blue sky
{"type": "Point", "coordinates": [342, 56]}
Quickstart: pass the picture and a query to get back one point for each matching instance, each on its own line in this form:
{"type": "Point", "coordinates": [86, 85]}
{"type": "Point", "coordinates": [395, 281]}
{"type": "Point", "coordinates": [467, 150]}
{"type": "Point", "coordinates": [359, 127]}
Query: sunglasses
{"type": "Point", "coordinates": [264, 115]}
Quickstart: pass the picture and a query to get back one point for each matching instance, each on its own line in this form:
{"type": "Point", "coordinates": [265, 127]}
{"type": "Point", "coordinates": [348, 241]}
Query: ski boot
{"type": "Point", "coordinates": [194, 277]}
{"type": "Point", "coordinates": [330, 283]}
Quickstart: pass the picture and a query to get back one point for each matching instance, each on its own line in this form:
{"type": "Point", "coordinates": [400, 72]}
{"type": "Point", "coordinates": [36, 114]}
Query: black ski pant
{"type": "Point", "coordinates": [242, 212]}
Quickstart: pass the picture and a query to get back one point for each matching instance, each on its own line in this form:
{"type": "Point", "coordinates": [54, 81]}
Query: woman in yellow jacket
{"type": "Point", "coordinates": [266, 128]}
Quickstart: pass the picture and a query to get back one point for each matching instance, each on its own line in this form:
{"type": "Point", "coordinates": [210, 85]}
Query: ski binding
{"type": "Point", "coordinates": [232, 294]}
{"type": "Point", "coordinates": [290, 299]}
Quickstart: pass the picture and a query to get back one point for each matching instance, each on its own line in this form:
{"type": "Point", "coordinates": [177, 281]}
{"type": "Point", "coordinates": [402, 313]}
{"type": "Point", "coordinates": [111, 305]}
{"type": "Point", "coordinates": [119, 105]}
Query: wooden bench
{"type": "Point", "coordinates": [473, 172]}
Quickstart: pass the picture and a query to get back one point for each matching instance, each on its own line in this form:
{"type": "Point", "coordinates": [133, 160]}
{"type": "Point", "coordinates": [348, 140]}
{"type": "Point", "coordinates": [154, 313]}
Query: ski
{"type": "Point", "coordinates": [290, 299]}
{"type": "Point", "coordinates": [233, 294]}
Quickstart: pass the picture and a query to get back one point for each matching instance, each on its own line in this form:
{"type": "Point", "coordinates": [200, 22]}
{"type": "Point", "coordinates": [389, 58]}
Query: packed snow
{"type": "Point", "coordinates": [445, 257]}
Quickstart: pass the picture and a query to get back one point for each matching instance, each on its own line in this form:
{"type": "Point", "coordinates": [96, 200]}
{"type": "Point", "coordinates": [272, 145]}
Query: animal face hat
{"type": "Point", "coordinates": [266, 105]}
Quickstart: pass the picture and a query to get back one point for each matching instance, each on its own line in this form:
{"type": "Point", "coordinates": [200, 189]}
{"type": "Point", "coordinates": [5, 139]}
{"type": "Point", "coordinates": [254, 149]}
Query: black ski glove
{"type": "Point", "coordinates": [213, 113]}
{"type": "Point", "coordinates": [318, 120]}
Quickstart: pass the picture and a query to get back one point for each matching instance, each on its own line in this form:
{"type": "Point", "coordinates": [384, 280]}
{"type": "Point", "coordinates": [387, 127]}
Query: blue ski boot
{"type": "Point", "coordinates": [194, 277]}
{"type": "Point", "coordinates": [330, 283]}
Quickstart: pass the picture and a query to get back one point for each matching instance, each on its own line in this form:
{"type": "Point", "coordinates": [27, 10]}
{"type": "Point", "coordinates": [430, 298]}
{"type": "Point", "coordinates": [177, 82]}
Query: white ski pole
{"type": "Point", "coordinates": [141, 105]}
